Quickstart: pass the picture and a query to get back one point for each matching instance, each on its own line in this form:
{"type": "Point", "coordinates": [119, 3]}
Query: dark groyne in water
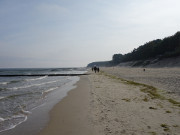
{"type": "Point", "coordinates": [44, 75]}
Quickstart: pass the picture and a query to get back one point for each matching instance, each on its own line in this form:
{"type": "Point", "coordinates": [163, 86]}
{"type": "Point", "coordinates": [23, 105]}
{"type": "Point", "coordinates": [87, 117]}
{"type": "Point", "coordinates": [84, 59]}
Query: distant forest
{"type": "Point", "coordinates": [165, 48]}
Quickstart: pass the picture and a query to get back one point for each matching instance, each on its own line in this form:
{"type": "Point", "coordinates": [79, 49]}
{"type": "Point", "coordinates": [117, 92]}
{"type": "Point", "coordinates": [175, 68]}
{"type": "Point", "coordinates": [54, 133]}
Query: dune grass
{"type": "Point", "coordinates": [165, 126]}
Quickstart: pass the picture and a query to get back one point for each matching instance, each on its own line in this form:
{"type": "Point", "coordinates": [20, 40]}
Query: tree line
{"type": "Point", "coordinates": [165, 48]}
{"type": "Point", "coordinates": [159, 48]}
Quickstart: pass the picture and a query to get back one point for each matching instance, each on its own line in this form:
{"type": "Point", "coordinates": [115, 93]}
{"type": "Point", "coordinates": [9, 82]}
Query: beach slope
{"type": "Point", "coordinates": [104, 104]}
{"type": "Point", "coordinates": [70, 116]}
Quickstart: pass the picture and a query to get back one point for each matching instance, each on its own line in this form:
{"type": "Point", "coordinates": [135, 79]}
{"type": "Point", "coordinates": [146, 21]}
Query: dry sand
{"type": "Point", "coordinates": [105, 105]}
{"type": "Point", "coordinates": [163, 78]}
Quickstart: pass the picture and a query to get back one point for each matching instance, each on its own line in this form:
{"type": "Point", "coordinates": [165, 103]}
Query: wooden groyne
{"type": "Point", "coordinates": [33, 75]}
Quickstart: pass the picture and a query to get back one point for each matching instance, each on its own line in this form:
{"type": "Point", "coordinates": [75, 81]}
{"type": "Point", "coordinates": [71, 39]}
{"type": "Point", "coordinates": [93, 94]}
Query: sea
{"type": "Point", "coordinates": [20, 95]}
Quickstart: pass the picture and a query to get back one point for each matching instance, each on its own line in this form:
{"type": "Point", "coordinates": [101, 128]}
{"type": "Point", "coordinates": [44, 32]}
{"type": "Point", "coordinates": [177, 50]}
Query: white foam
{"type": "Point", "coordinates": [1, 119]}
{"type": "Point", "coordinates": [15, 88]}
{"type": "Point", "coordinates": [2, 98]}
{"type": "Point", "coordinates": [13, 126]}
{"type": "Point", "coordinates": [51, 89]}
{"type": "Point", "coordinates": [3, 83]}
{"type": "Point", "coordinates": [18, 116]}
{"type": "Point", "coordinates": [39, 106]}
{"type": "Point", "coordinates": [40, 78]}
{"type": "Point", "coordinates": [25, 112]}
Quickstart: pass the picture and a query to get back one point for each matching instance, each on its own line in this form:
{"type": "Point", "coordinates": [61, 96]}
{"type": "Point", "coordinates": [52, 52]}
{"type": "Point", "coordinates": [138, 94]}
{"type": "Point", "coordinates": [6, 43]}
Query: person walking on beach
{"type": "Point", "coordinates": [95, 68]}
{"type": "Point", "coordinates": [98, 69]}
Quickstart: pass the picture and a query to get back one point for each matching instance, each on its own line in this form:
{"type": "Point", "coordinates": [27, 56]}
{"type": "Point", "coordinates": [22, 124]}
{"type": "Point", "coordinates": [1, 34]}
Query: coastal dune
{"type": "Point", "coordinates": [106, 104]}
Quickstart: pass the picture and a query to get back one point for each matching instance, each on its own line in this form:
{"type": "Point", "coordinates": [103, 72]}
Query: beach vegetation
{"type": "Point", "coordinates": [174, 102]}
{"type": "Point", "coordinates": [152, 91]}
{"type": "Point", "coordinates": [153, 108]}
{"type": "Point", "coordinates": [160, 105]}
{"type": "Point", "coordinates": [153, 133]}
{"type": "Point", "coordinates": [175, 126]}
{"type": "Point", "coordinates": [168, 112]}
{"type": "Point", "coordinates": [132, 83]}
{"type": "Point", "coordinates": [166, 127]}
{"type": "Point", "coordinates": [127, 99]}
{"type": "Point", "coordinates": [145, 99]}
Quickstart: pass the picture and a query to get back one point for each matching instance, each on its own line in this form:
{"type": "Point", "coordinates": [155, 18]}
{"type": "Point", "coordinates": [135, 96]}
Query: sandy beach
{"type": "Point", "coordinates": [71, 115]}
{"type": "Point", "coordinates": [106, 104]}
{"type": "Point", "coordinates": [162, 78]}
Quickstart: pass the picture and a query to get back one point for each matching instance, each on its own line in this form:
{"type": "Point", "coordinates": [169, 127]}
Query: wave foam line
{"type": "Point", "coordinates": [47, 91]}
{"type": "Point", "coordinates": [15, 88]}
{"type": "Point", "coordinates": [13, 126]}
{"type": "Point", "coordinates": [3, 83]}
{"type": "Point", "coordinates": [39, 78]}
{"type": "Point", "coordinates": [1, 119]}
{"type": "Point", "coordinates": [0, 99]}
{"type": "Point", "coordinates": [51, 89]}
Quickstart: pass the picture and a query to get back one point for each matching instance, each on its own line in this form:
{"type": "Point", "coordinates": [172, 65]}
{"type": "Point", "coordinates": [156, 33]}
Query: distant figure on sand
{"type": "Point", "coordinates": [98, 69]}
{"type": "Point", "coordinates": [95, 68]}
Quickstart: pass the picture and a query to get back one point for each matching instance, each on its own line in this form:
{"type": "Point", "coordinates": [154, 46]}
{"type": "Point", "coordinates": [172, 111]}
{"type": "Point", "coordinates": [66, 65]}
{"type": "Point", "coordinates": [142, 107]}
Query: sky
{"type": "Point", "coordinates": [73, 33]}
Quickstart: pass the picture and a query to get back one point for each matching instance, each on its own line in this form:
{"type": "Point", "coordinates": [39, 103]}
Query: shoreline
{"type": "Point", "coordinates": [39, 116]}
{"type": "Point", "coordinates": [105, 104]}
{"type": "Point", "coordinates": [70, 115]}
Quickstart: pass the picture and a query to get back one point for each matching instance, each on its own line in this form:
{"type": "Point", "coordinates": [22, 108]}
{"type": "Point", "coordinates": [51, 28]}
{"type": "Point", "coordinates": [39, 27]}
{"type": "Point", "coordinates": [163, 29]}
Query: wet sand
{"type": "Point", "coordinates": [103, 104]}
{"type": "Point", "coordinates": [71, 115]}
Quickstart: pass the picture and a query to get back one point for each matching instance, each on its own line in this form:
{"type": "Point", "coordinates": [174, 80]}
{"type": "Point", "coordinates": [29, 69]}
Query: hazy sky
{"type": "Point", "coordinates": [73, 33]}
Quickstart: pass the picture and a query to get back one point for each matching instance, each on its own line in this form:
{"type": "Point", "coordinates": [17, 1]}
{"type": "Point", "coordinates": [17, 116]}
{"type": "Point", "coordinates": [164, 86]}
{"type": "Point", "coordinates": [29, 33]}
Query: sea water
{"type": "Point", "coordinates": [20, 95]}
